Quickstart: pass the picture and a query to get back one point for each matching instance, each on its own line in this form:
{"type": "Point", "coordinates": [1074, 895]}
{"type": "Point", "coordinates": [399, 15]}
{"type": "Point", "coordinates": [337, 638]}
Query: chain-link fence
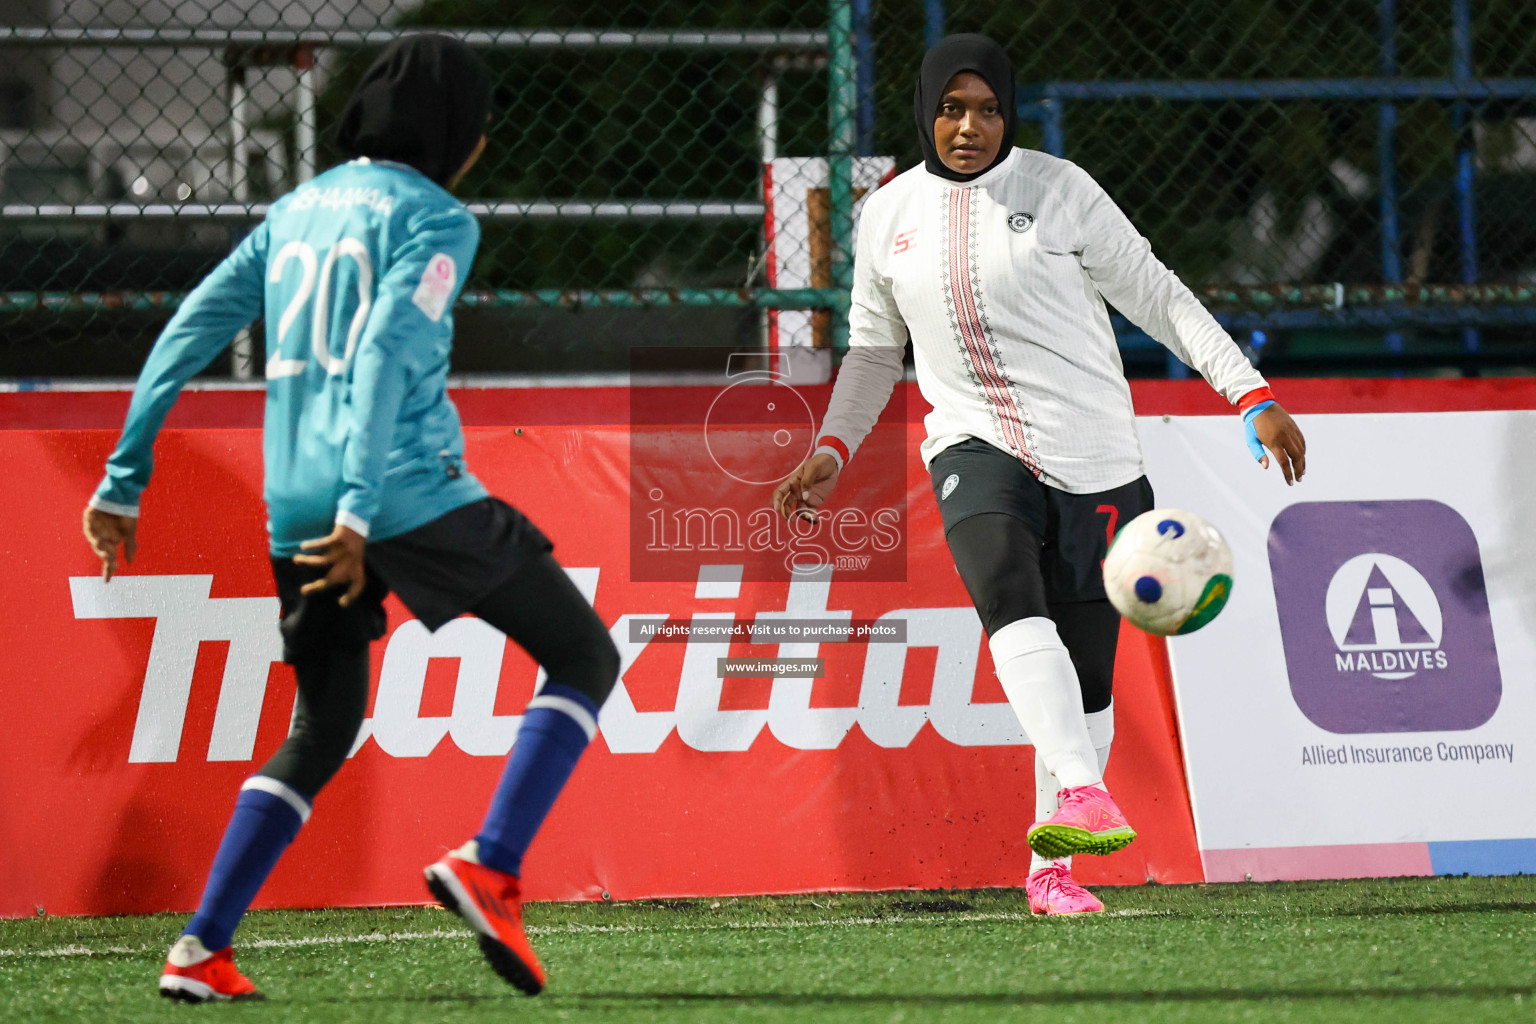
{"type": "Point", "coordinates": [1267, 146]}
{"type": "Point", "coordinates": [1351, 173]}
{"type": "Point", "coordinates": [625, 166]}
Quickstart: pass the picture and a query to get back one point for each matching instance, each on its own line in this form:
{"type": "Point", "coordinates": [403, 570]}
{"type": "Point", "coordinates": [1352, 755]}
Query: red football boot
{"type": "Point", "coordinates": [491, 903]}
{"type": "Point", "coordinates": [194, 975]}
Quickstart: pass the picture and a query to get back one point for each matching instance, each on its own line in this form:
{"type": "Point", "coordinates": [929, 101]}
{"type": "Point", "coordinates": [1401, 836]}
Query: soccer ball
{"type": "Point", "coordinates": [1168, 571]}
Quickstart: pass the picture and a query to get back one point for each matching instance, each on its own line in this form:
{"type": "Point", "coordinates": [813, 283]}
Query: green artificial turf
{"type": "Point", "coordinates": [1446, 949]}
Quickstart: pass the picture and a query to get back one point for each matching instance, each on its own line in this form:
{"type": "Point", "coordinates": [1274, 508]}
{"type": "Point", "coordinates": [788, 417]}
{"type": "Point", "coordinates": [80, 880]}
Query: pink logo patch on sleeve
{"type": "Point", "coordinates": [436, 288]}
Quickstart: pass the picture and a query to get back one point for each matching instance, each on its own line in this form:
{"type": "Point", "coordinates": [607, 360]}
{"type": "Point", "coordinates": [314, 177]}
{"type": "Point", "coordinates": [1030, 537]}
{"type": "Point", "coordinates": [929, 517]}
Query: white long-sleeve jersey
{"type": "Point", "coordinates": [1001, 283]}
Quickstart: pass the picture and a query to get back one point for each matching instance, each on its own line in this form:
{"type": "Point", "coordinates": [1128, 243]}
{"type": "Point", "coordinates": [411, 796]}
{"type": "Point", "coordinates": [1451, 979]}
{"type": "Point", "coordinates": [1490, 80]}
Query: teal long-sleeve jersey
{"type": "Point", "coordinates": [355, 274]}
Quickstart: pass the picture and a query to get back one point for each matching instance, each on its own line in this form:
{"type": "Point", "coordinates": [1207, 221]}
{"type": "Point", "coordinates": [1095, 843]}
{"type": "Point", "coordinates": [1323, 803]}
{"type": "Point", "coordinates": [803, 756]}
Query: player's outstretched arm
{"type": "Point", "coordinates": [226, 300]}
{"type": "Point", "coordinates": [1123, 267]}
{"type": "Point", "coordinates": [864, 383]}
{"type": "Point", "coordinates": [873, 366]}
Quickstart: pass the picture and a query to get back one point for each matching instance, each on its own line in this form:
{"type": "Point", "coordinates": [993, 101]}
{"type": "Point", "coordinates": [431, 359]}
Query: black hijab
{"type": "Point", "coordinates": [950, 56]}
{"type": "Point", "coordinates": [423, 103]}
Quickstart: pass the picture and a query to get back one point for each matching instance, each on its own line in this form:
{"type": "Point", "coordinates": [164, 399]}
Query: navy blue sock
{"type": "Point", "coordinates": [558, 725]}
{"type": "Point", "coordinates": [267, 817]}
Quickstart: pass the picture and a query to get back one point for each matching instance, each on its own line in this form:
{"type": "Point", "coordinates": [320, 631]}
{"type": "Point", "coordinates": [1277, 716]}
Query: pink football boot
{"type": "Point", "coordinates": [1052, 890]}
{"type": "Point", "coordinates": [1086, 821]}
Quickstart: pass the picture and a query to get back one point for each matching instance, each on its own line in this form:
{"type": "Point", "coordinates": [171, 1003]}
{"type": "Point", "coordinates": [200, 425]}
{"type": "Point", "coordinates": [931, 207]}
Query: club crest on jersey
{"type": "Point", "coordinates": [950, 483]}
{"type": "Point", "coordinates": [1021, 222]}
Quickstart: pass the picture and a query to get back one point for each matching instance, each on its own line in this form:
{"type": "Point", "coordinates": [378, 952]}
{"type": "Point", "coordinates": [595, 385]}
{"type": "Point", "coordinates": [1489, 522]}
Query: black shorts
{"type": "Point", "coordinates": [973, 477]}
{"type": "Point", "coordinates": [440, 570]}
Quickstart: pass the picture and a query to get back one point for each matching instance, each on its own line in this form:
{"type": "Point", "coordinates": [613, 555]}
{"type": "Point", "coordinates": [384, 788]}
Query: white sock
{"type": "Point", "coordinates": [1041, 684]}
{"type": "Point", "coordinates": [1045, 806]}
{"type": "Point", "coordinates": [1101, 733]}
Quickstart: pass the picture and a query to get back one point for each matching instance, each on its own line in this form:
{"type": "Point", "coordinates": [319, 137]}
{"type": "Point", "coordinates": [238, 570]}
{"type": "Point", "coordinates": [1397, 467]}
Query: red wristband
{"type": "Point", "coordinates": [1253, 398]}
{"type": "Point", "coordinates": [828, 441]}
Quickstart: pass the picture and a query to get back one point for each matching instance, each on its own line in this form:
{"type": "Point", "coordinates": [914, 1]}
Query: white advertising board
{"type": "Point", "coordinates": [1366, 703]}
{"type": "Point", "coordinates": [799, 234]}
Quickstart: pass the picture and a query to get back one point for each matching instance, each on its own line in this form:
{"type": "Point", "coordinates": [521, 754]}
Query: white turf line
{"type": "Point", "coordinates": [567, 929]}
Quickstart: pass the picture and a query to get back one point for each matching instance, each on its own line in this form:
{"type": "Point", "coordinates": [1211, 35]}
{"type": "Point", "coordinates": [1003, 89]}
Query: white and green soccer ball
{"type": "Point", "coordinates": [1168, 572]}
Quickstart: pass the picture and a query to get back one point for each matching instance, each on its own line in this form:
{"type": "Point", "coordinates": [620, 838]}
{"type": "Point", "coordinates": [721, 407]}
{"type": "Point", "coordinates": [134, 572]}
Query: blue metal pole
{"type": "Point", "coordinates": [933, 29]}
{"type": "Point", "coordinates": [1462, 123]}
{"type": "Point", "coordinates": [1386, 162]}
{"type": "Point", "coordinates": [842, 117]}
{"type": "Point", "coordinates": [864, 75]}
{"type": "Point", "coordinates": [1051, 129]}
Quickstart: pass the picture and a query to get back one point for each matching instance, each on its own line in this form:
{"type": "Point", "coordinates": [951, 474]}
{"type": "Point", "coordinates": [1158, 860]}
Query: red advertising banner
{"type": "Point", "coordinates": [134, 709]}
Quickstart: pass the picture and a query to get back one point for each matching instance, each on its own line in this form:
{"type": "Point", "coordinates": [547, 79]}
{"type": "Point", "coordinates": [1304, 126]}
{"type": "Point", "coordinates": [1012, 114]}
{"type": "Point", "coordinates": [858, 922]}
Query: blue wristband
{"type": "Point", "coordinates": [1254, 445]}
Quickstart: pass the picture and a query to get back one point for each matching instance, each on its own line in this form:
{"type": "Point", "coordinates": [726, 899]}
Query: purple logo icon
{"type": "Point", "coordinates": [1384, 616]}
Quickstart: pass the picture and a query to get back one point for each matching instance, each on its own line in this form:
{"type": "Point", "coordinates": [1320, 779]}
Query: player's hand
{"type": "Point", "coordinates": [1274, 429]}
{"type": "Point", "coordinates": [106, 532]}
{"type": "Point", "coordinates": [804, 490]}
{"type": "Point", "coordinates": [341, 554]}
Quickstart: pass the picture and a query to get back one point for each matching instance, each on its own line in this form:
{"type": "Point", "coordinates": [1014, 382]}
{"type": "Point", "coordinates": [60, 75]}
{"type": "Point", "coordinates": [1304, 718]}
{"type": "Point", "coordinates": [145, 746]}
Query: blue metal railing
{"type": "Point", "coordinates": [933, 22]}
{"type": "Point", "coordinates": [1044, 103]}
